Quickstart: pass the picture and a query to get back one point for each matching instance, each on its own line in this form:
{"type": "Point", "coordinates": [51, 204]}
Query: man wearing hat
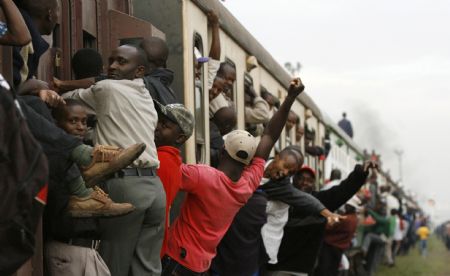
{"type": "Point", "coordinates": [175, 126]}
{"type": "Point", "coordinates": [214, 196]}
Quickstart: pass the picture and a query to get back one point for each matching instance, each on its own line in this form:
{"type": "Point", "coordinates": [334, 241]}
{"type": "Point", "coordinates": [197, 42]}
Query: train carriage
{"type": "Point", "coordinates": [105, 24]}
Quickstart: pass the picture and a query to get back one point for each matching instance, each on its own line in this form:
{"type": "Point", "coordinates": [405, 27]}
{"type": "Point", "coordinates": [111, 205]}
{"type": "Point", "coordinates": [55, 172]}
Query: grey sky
{"type": "Point", "coordinates": [387, 63]}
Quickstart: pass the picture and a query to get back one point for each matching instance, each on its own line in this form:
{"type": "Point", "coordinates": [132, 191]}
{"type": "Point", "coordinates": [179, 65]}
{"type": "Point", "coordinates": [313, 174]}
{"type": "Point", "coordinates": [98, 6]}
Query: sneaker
{"type": "Point", "coordinates": [97, 204]}
{"type": "Point", "coordinates": [109, 159]}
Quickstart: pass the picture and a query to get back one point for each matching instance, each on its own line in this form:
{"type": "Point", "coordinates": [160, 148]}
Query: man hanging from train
{"type": "Point", "coordinates": [255, 234]}
{"type": "Point", "coordinates": [303, 235]}
{"type": "Point", "coordinates": [126, 114]}
{"type": "Point", "coordinates": [214, 196]}
{"type": "Point", "coordinates": [61, 149]}
{"type": "Point", "coordinates": [157, 78]}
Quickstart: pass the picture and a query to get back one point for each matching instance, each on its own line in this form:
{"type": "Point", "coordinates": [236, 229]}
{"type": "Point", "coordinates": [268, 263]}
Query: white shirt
{"type": "Point", "coordinates": [273, 230]}
{"type": "Point", "coordinates": [125, 113]}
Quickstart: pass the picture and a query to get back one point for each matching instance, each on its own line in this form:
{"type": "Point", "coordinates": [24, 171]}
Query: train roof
{"type": "Point", "coordinates": [245, 39]}
{"type": "Point", "coordinates": [334, 127]}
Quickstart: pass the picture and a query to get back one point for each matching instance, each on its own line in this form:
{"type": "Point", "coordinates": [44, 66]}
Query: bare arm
{"type": "Point", "coordinates": [213, 21]}
{"type": "Point", "coordinates": [18, 33]}
{"type": "Point", "coordinates": [40, 89]}
{"type": "Point", "coordinates": [275, 126]}
{"type": "Point", "coordinates": [63, 86]}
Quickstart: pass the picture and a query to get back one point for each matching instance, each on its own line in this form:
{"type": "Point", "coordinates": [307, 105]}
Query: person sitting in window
{"type": "Point", "coordinates": [256, 111]}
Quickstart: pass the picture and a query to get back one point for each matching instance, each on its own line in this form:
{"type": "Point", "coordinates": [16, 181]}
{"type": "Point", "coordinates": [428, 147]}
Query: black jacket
{"type": "Point", "coordinates": [241, 252]}
{"type": "Point", "coordinates": [303, 235]}
{"type": "Point", "coordinates": [283, 190]}
{"type": "Point", "coordinates": [158, 82]}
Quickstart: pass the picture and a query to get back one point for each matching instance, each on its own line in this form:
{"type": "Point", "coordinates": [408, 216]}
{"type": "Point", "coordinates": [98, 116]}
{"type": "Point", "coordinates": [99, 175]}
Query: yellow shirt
{"type": "Point", "coordinates": [423, 232]}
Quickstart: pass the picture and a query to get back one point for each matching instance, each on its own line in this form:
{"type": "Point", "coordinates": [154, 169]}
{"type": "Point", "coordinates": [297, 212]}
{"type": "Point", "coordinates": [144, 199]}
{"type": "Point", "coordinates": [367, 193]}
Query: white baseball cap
{"type": "Point", "coordinates": [241, 146]}
{"type": "Point", "coordinates": [355, 202]}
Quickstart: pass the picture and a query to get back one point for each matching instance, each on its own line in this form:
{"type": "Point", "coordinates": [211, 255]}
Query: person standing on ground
{"type": "Point", "coordinates": [423, 232]}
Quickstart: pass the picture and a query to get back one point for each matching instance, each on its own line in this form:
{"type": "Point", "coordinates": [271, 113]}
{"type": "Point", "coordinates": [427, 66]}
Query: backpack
{"type": "Point", "coordinates": [23, 178]}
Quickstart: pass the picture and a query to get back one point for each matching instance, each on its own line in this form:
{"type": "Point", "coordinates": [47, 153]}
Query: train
{"type": "Point", "coordinates": [106, 24]}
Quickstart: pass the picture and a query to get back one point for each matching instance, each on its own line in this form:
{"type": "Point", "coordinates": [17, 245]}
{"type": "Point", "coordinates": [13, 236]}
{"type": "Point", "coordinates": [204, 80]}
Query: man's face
{"type": "Point", "coordinates": [75, 121]}
{"type": "Point", "coordinates": [219, 84]}
{"type": "Point", "coordinates": [282, 166]}
{"type": "Point", "coordinates": [230, 77]}
{"type": "Point", "coordinates": [124, 63]}
{"type": "Point", "coordinates": [299, 133]}
{"type": "Point", "coordinates": [291, 120]}
{"type": "Point", "coordinates": [168, 133]}
{"type": "Point", "coordinates": [305, 182]}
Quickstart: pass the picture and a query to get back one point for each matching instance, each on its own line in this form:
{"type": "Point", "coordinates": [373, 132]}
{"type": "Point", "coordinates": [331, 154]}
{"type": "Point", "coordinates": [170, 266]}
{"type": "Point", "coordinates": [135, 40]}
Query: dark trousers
{"type": "Point", "coordinates": [173, 268]}
{"type": "Point", "coordinates": [329, 260]}
{"type": "Point", "coordinates": [375, 254]}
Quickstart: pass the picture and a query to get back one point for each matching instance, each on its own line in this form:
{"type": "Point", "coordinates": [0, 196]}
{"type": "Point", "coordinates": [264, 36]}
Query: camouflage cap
{"type": "Point", "coordinates": [178, 114]}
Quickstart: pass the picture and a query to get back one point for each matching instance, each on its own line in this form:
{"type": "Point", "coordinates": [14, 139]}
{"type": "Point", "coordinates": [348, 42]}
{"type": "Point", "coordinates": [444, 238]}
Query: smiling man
{"type": "Point", "coordinates": [126, 114]}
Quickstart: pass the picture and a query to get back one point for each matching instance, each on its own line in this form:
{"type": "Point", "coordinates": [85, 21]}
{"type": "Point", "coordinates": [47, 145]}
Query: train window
{"type": "Point", "coordinates": [89, 41]}
{"type": "Point", "coordinates": [200, 138]}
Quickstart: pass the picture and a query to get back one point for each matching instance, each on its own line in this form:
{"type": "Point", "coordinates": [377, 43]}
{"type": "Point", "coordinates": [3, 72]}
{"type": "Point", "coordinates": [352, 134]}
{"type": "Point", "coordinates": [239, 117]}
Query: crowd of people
{"type": "Point", "coordinates": [112, 144]}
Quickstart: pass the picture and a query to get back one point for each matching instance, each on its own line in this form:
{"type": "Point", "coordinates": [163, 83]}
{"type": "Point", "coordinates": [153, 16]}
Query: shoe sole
{"type": "Point", "coordinates": [100, 214]}
{"type": "Point", "coordinates": [99, 177]}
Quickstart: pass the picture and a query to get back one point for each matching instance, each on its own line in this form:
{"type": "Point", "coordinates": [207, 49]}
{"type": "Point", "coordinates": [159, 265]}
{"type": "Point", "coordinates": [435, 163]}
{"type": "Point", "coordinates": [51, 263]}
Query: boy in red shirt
{"type": "Point", "coordinates": [214, 196]}
{"type": "Point", "coordinates": [175, 126]}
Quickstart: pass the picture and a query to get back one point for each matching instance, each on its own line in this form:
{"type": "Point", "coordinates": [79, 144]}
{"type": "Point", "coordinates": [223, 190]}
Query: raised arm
{"type": "Point", "coordinates": [213, 22]}
{"type": "Point", "coordinates": [275, 126]}
{"type": "Point", "coordinates": [18, 33]}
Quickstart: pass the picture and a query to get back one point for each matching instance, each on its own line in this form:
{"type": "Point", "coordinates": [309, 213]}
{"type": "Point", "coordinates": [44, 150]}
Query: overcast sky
{"type": "Point", "coordinates": [387, 63]}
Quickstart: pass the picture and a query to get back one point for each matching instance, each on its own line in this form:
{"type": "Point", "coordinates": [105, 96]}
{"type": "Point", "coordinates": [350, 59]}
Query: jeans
{"type": "Point", "coordinates": [423, 248]}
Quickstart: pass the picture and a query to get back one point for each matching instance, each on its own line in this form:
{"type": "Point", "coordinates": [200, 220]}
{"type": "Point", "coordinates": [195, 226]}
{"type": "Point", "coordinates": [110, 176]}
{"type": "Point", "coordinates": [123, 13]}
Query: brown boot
{"type": "Point", "coordinates": [109, 159]}
{"type": "Point", "coordinates": [97, 204]}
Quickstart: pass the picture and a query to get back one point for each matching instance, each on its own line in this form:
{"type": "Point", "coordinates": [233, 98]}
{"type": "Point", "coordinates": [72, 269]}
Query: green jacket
{"type": "Point", "coordinates": [384, 225]}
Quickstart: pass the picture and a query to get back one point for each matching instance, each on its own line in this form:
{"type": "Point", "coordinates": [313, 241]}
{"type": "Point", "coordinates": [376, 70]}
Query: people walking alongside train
{"type": "Point", "coordinates": [126, 114]}
{"type": "Point", "coordinates": [195, 234]}
{"type": "Point", "coordinates": [423, 232]}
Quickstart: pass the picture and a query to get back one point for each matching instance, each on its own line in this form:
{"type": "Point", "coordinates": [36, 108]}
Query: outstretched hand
{"type": "Point", "coordinates": [369, 164]}
{"type": "Point", "coordinates": [334, 219]}
{"type": "Point", "coordinates": [296, 87]}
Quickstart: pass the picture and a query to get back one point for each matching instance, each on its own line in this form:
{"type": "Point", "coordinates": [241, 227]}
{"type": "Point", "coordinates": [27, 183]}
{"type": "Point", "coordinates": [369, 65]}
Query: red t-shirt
{"type": "Point", "coordinates": [170, 174]}
{"type": "Point", "coordinates": [210, 205]}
